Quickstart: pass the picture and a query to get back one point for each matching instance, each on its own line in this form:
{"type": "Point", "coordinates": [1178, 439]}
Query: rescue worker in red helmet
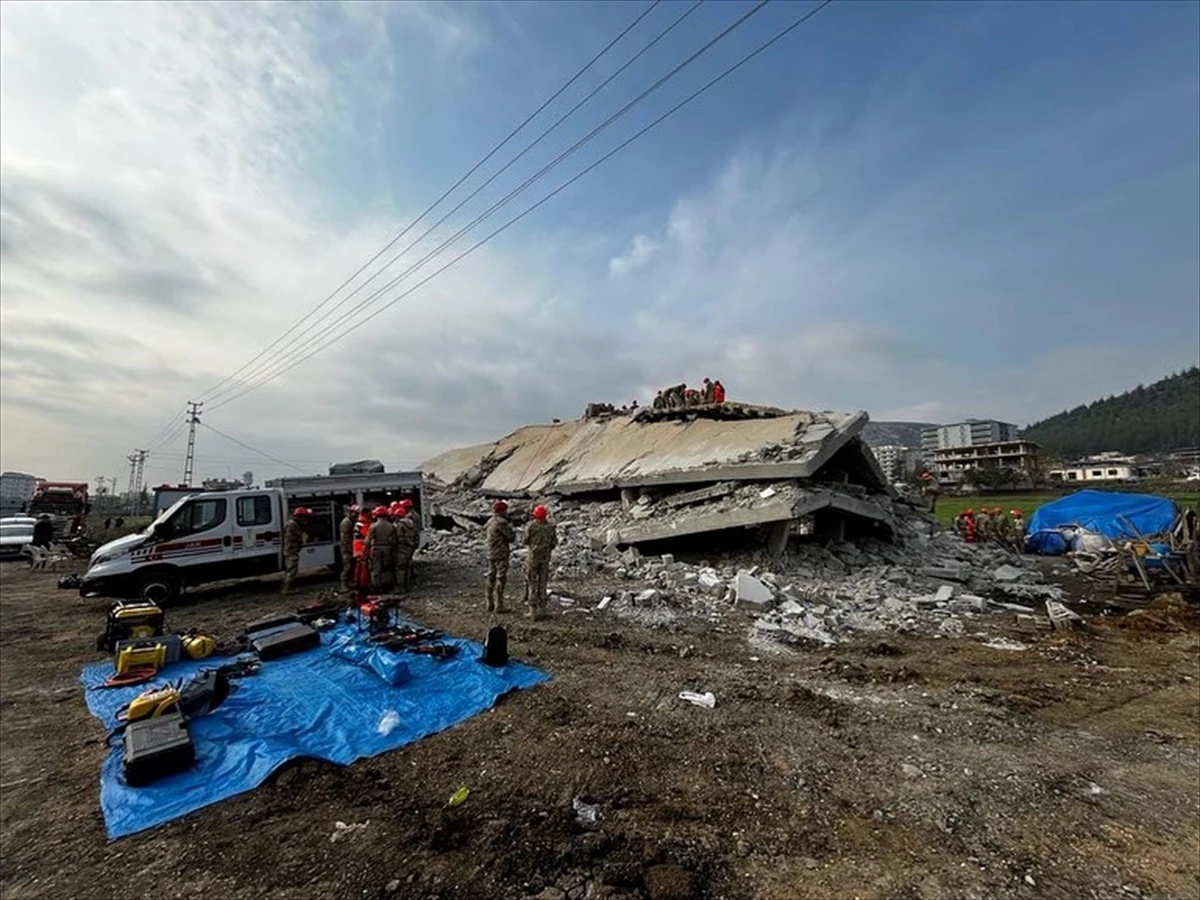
{"type": "Point", "coordinates": [381, 551]}
{"type": "Point", "coordinates": [406, 544]}
{"type": "Point", "coordinates": [541, 538]}
{"type": "Point", "coordinates": [346, 545]}
{"type": "Point", "coordinates": [293, 541]}
{"type": "Point", "coordinates": [498, 536]}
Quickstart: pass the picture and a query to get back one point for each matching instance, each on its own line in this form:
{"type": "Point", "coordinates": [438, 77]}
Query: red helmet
{"type": "Point", "coordinates": [406, 503]}
{"type": "Point", "coordinates": [379, 512]}
{"type": "Point", "coordinates": [970, 512]}
{"type": "Point", "coordinates": [352, 508]}
{"type": "Point", "coordinates": [540, 513]}
{"type": "Point", "coordinates": [301, 512]}
{"type": "Point", "coordinates": [1015, 512]}
{"type": "Point", "coordinates": [499, 507]}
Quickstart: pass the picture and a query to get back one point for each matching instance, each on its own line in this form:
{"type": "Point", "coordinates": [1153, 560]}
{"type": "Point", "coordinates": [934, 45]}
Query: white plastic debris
{"type": "Point", "coordinates": [387, 722]}
{"type": "Point", "coordinates": [586, 814]}
{"type": "Point", "coordinates": [708, 699]}
{"type": "Point", "coordinates": [341, 830]}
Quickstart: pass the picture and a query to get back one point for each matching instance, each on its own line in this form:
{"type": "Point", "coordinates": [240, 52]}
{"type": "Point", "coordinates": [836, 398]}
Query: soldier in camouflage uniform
{"type": "Point", "coordinates": [1003, 526]}
{"type": "Point", "coordinates": [498, 536]}
{"type": "Point", "coordinates": [381, 551]}
{"type": "Point", "coordinates": [407, 539]}
{"type": "Point", "coordinates": [1017, 529]}
{"type": "Point", "coordinates": [541, 538]}
{"type": "Point", "coordinates": [293, 542]}
{"type": "Point", "coordinates": [984, 531]}
{"type": "Point", "coordinates": [346, 544]}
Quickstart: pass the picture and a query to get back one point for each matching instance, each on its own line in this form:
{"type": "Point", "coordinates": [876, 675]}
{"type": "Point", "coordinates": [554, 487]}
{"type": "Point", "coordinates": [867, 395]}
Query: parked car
{"type": "Point", "coordinates": [15, 534]}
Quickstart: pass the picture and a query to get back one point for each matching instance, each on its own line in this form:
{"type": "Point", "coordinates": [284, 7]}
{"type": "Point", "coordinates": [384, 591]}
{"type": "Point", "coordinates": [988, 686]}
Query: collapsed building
{"type": "Point", "coordinates": [695, 471]}
{"type": "Point", "coordinates": [705, 510]}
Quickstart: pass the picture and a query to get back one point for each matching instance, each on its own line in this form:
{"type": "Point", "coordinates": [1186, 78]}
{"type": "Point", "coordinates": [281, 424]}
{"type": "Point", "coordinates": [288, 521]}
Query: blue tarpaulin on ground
{"type": "Point", "coordinates": [1109, 513]}
{"type": "Point", "coordinates": [313, 704]}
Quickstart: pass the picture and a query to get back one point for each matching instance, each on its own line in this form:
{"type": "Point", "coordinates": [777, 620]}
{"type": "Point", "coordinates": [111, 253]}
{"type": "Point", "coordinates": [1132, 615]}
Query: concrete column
{"type": "Point", "coordinates": [777, 539]}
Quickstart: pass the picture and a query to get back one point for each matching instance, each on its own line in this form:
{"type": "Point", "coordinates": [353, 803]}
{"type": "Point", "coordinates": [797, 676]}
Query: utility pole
{"type": "Point", "coordinates": [137, 466]}
{"type": "Point", "coordinates": [193, 421]}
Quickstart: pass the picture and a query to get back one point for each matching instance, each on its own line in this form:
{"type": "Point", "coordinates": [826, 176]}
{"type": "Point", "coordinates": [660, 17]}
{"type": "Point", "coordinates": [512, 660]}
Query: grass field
{"type": "Point", "coordinates": [949, 507]}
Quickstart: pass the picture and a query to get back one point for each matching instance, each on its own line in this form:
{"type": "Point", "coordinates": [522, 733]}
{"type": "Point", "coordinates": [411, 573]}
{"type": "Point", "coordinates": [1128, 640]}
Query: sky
{"type": "Point", "coordinates": [928, 211]}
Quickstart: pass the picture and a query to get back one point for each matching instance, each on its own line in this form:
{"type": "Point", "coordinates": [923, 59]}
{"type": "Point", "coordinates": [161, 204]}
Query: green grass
{"type": "Point", "coordinates": [949, 507]}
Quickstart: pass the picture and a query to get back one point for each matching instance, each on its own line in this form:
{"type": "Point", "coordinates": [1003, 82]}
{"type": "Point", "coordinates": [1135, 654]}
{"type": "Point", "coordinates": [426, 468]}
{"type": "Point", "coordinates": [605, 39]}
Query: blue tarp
{"type": "Point", "coordinates": [313, 704]}
{"type": "Point", "coordinates": [1108, 513]}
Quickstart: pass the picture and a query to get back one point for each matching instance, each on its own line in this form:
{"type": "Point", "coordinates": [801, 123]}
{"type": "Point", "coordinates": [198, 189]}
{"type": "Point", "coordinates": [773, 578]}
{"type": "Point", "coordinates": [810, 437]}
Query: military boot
{"type": "Point", "coordinates": [499, 607]}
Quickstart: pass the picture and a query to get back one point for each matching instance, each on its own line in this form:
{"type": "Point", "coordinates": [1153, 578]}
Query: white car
{"type": "Point", "coordinates": [16, 533]}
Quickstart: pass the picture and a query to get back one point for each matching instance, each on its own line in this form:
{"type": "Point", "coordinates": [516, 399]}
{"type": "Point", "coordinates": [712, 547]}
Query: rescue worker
{"type": "Point", "coordinates": [346, 544]}
{"type": "Point", "coordinates": [1018, 531]}
{"type": "Point", "coordinates": [293, 541]}
{"type": "Point", "coordinates": [959, 525]}
{"type": "Point", "coordinates": [498, 536]}
{"type": "Point", "coordinates": [381, 551]}
{"type": "Point", "coordinates": [984, 527]}
{"type": "Point", "coordinates": [407, 540]}
{"type": "Point", "coordinates": [362, 574]}
{"type": "Point", "coordinates": [718, 392]}
{"type": "Point", "coordinates": [970, 527]}
{"type": "Point", "coordinates": [660, 402]}
{"type": "Point", "coordinates": [708, 390]}
{"type": "Point", "coordinates": [43, 531]}
{"type": "Point", "coordinates": [541, 538]}
{"type": "Point", "coordinates": [1003, 527]}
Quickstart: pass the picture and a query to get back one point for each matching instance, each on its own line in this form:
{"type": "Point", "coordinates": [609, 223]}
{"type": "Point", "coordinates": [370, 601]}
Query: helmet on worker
{"type": "Point", "coordinates": [301, 512]}
{"type": "Point", "coordinates": [499, 507]}
{"type": "Point", "coordinates": [1016, 513]}
{"type": "Point", "coordinates": [970, 512]}
{"type": "Point", "coordinates": [540, 512]}
{"type": "Point", "coordinates": [379, 512]}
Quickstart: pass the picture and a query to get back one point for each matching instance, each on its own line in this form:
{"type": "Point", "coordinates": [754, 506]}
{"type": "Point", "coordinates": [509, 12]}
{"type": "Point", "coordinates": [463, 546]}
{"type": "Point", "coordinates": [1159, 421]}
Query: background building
{"type": "Point", "coordinates": [15, 490]}
{"type": "Point", "coordinates": [951, 464]}
{"type": "Point", "coordinates": [1101, 467]}
{"type": "Point", "coordinates": [971, 433]}
{"type": "Point", "coordinates": [897, 462]}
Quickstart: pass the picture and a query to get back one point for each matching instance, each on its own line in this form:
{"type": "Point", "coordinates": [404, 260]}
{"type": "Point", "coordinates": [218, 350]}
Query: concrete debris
{"type": "Point", "coordinates": [1007, 573]}
{"type": "Point", "coordinates": [752, 593]}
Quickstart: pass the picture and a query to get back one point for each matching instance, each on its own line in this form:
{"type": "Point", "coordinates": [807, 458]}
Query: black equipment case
{"type": "Point", "coordinates": [155, 748]}
{"type": "Point", "coordinates": [283, 640]}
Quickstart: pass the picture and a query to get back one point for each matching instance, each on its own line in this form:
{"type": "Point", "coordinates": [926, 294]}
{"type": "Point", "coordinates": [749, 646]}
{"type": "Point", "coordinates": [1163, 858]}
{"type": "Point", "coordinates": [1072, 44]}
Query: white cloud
{"type": "Point", "coordinates": [642, 248]}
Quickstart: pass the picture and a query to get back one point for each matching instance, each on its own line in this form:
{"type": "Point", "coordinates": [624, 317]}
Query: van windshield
{"type": "Point", "coordinates": [165, 514]}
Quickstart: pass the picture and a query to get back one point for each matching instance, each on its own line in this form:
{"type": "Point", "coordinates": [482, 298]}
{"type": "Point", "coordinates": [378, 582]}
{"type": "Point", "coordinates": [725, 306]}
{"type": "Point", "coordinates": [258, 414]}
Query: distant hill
{"type": "Point", "coordinates": [904, 434]}
{"type": "Point", "coordinates": [1163, 416]}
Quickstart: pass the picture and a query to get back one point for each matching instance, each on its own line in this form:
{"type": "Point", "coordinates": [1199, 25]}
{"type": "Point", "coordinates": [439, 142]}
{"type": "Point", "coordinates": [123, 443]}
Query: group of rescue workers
{"type": "Point", "coordinates": [377, 548]}
{"type": "Point", "coordinates": [991, 525]}
{"type": "Point", "coordinates": [681, 395]}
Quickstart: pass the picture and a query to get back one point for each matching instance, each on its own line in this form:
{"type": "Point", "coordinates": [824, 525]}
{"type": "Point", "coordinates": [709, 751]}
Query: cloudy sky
{"type": "Point", "coordinates": [928, 211]}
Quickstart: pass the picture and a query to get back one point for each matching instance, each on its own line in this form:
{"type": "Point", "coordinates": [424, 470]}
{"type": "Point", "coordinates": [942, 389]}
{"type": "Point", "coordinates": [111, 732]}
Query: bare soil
{"type": "Point", "coordinates": [894, 767]}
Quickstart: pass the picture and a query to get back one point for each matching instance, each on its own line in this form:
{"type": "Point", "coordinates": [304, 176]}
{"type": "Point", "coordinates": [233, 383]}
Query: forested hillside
{"type": "Point", "coordinates": [1162, 416]}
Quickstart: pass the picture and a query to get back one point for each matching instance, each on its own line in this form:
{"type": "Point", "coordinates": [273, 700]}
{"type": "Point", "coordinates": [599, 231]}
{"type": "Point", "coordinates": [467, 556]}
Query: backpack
{"type": "Point", "coordinates": [495, 648]}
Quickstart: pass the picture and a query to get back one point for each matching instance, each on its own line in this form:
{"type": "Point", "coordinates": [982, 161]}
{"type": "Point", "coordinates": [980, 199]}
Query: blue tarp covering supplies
{"type": "Point", "coordinates": [1107, 513]}
{"type": "Point", "coordinates": [314, 704]}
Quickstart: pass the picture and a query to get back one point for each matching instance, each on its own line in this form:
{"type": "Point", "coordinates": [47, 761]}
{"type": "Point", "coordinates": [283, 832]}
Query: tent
{"type": "Point", "coordinates": [1110, 514]}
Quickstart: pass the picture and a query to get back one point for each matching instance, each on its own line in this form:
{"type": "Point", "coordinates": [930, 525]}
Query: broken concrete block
{"type": "Point", "coordinates": [668, 559]}
{"type": "Point", "coordinates": [951, 626]}
{"type": "Point", "coordinates": [711, 582]}
{"type": "Point", "coordinates": [944, 574]}
{"type": "Point", "coordinates": [1007, 573]}
{"type": "Point", "coordinates": [752, 593]}
{"type": "Point", "coordinates": [791, 608]}
{"type": "Point", "coordinates": [647, 597]}
{"type": "Point", "coordinates": [603, 604]}
{"type": "Point", "coordinates": [944, 593]}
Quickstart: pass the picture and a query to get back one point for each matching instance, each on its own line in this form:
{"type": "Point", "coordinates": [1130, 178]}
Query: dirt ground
{"type": "Point", "coordinates": [895, 767]}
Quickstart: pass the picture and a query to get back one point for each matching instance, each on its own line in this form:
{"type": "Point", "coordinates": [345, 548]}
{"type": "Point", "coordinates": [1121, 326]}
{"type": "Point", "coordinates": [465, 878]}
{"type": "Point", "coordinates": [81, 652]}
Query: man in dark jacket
{"type": "Point", "coordinates": [43, 531]}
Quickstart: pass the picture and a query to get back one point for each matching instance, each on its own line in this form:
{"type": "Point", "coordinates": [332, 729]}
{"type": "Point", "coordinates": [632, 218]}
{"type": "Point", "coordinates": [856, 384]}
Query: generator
{"type": "Point", "coordinates": [130, 620]}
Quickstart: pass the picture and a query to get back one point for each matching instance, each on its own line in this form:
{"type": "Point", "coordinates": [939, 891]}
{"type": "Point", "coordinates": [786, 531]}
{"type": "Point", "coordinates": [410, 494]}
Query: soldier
{"type": "Point", "coordinates": [1018, 531]}
{"type": "Point", "coordinates": [381, 551]}
{"type": "Point", "coordinates": [498, 536]}
{"type": "Point", "coordinates": [407, 540]}
{"type": "Point", "coordinates": [540, 538]}
{"type": "Point", "coordinates": [293, 542]}
{"type": "Point", "coordinates": [984, 531]}
{"type": "Point", "coordinates": [960, 524]}
{"type": "Point", "coordinates": [1003, 526]}
{"type": "Point", "coordinates": [660, 402]}
{"type": "Point", "coordinates": [346, 543]}
{"type": "Point", "coordinates": [708, 390]}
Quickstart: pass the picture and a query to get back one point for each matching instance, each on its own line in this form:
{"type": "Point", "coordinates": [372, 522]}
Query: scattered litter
{"type": "Point", "coordinates": [341, 830]}
{"type": "Point", "coordinates": [708, 700]}
{"type": "Point", "coordinates": [1060, 617]}
{"type": "Point", "coordinates": [603, 604]}
{"type": "Point", "coordinates": [585, 813]}
{"type": "Point", "coordinates": [459, 796]}
{"type": "Point", "coordinates": [388, 722]}
{"type": "Point", "coordinates": [1001, 643]}
{"type": "Point", "coordinates": [769, 492]}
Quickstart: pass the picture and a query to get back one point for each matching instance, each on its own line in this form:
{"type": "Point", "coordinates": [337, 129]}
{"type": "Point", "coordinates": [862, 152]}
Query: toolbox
{"type": "Point", "coordinates": [129, 620]}
{"type": "Point", "coordinates": [284, 640]}
{"type": "Point", "coordinates": [155, 748]}
{"type": "Point", "coordinates": [155, 651]}
{"type": "Point", "coordinates": [271, 622]}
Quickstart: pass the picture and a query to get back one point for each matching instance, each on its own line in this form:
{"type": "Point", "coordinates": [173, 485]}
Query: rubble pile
{"type": "Point", "coordinates": [817, 591]}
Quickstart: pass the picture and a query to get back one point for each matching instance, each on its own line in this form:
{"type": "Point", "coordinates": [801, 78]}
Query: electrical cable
{"type": "Point", "coordinates": [438, 201]}
{"type": "Point", "coordinates": [503, 201]}
{"type": "Point", "coordinates": [227, 437]}
{"type": "Point", "coordinates": [688, 99]}
{"type": "Point", "coordinates": [278, 356]}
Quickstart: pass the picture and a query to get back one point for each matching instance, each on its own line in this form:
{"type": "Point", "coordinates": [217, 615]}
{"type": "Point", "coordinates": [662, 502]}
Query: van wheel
{"type": "Point", "coordinates": [159, 587]}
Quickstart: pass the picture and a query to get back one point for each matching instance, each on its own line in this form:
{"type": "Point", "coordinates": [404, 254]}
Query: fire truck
{"type": "Point", "coordinates": [65, 502]}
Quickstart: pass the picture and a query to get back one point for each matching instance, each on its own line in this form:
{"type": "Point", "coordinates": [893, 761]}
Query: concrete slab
{"type": "Point", "coordinates": [752, 594]}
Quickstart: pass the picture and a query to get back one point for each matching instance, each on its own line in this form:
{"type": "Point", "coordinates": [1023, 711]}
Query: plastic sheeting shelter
{"type": "Point", "coordinates": [1107, 513]}
{"type": "Point", "coordinates": [315, 704]}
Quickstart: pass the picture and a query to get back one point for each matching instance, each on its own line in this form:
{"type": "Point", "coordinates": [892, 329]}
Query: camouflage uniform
{"type": "Point", "coordinates": [1003, 529]}
{"type": "Point", "coordinates": [293, 541]}
{"type": "Point", "coordinates": [983, 527]}
{"type": "Point", "coordinates": [381, 550]}
{"type": "Point", "coordinates": [407, 540]}
{"type": "Point", "coordinates": [1018, 534]}
{"type": "Point", "coordinates": [346, 542]}
{"type": "Point", "coordinates": [540, 538]}
{"type": "Point", "coordinates": [498, 536]}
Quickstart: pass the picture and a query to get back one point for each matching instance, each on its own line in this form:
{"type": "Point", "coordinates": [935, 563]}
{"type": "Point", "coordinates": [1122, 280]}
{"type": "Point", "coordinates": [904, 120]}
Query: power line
{"type": "Point", "coordinates": [208, 393]}
{"type": "Point", "coordinates": [283, 353]}
{"type": "Point", "coordinates": [292, 353]}
{"type": "Point", "coordinates": [162, 431]}
{"type": "Point", "coordinates": [691, 97]}
{"type": "Point", "coordinates": [282, 462]}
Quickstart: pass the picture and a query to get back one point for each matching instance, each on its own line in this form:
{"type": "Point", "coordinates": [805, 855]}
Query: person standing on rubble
{"type": "Point", "coordinates": [408, 538]}
{"type": "Point", "coordinates": [346, 545]}
{"type": "Point", "coordinates": [708, 390]}
{"type": "Point", "coordinates": [381, 551]}
{"type": "Point", "coordinates": [1003, 527]}
{"type": "Point", "coordinates": [969, 526]}
{"type": "Point", "coordinates": [984, 527]}
{"type": "Point", "coordinates": [659, 401]}
{"type": "Point", "coordinates": [498, 536]}
{"type": "Point", "coordinates": [718, 392]}
{"type": "Point", "coordinates": [541, 538]}
{"type": "Point", "coordinates": [293, 542]}
{"type": "Point", "coordinates": [1017, 531]}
